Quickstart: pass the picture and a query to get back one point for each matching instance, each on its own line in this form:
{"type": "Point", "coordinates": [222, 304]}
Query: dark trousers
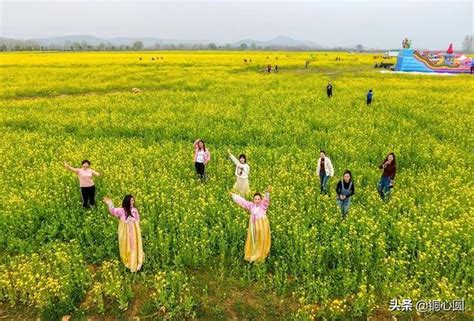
{"type": "Point", "coordinates": [329, 92]}
{"type": "Point", "coordinates": [200, 169]}
{"type": "Point", "coordinates": [88, 196]}
{"type": "Point", "coordinates": [369, 101]}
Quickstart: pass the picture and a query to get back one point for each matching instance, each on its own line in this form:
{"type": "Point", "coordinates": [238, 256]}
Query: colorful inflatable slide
{"type": "Point", "coordinates": [439, 62]}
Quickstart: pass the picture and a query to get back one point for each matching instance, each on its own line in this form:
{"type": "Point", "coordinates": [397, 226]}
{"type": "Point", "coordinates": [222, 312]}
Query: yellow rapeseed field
{"type": "Point", "coordinates": [58, 258]}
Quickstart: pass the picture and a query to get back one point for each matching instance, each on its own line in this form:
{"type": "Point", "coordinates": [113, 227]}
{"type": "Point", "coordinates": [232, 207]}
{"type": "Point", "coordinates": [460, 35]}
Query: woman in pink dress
{"type": "Point", "coordinates": [257, 245]}
{"type": "Point", "coordinates": [129, 233]}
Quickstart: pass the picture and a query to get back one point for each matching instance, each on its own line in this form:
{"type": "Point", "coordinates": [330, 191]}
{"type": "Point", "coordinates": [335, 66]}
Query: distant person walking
{"type": "Point", "coordinates": [269, 67]}
{"type": "Point", "coordinates": [325, 171]}
{"type": "Point", "coordinates": [329, 89]}
{"type": "Point", "coordinates": [276, 68]}
{"type": "Point", "coordinates": [387, 180]}
{"type": "Point", "coordinates": [345, 189]}
{"type": "Point", "coordinates": [202, 155]}
{"type": "Point", "coordinates": [86, 183]}
{"type": "Point", "coordinates": [370, 95]}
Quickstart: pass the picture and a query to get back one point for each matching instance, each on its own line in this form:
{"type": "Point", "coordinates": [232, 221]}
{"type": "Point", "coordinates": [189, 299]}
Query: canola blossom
{"type": "Point", "coordinates": [58, 107]}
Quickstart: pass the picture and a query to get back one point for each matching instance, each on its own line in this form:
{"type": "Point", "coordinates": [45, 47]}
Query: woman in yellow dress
{"type": "Point", "coordinates": [129, 234]}
{"type": "Point", "coordinates": [257, 245]}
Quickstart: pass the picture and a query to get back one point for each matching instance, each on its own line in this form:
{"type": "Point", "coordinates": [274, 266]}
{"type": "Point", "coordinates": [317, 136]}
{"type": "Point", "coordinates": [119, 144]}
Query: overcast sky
{"type": "Point", "coordinates": [376, 23]}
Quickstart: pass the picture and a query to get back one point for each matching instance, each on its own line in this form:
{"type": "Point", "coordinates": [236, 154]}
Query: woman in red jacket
{"type": "Point", "coordinates": [389, 169]}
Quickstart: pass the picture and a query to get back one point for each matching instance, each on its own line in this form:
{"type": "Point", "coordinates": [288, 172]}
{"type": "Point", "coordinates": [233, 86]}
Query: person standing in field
{"type": "Point", "coordinates": [345, 189]}
{"type": "Point", "coordinates": [242, 170]}
{"type": "Point", "coordinates": [201, 158]}
{"type": "Point", "coordinates": [258, 242]}
{"type": "Point", "coordinates": [276, 68]}
{"type": "Point", "coordinates": [86, 182]}
{"type": "Point", "coordinates": [370, 95]}
{"type": "Point", "coordinates": [129, 233]}
{"type": "Point", "coordinates": [389, 169]}
{"type": "Point", "coordinates": [329, 89]}
{"type": "Point", "coordinates": [325, 171]}
{"type": "Point", "coordinates": [269, 68]}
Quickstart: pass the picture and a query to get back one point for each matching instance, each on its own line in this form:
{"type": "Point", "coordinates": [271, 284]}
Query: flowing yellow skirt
{"type": "Point", "coordinates": [130, 245]}
{"type": "Point", "coordinates": [257, 245]}
{"type": "Point", "coordinates": [241, 186]}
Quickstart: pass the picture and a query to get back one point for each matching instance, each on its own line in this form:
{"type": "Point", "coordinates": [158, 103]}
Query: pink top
{"type": "Point", "coordinates": [207, 153]}
{"type": "Point", "coordinates": [85, 177]}
{"type": "Point", "coordinates": [257, 211]}
{"type": "Point", "coordinates": [119, 212]}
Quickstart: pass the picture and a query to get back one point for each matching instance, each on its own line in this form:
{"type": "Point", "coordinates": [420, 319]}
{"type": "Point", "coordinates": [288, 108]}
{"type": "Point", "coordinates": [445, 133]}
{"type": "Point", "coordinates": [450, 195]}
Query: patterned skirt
{"type": "Point", "coordinates": [257, 245]}
{"type": "Point", "coordinates": [130, 245]}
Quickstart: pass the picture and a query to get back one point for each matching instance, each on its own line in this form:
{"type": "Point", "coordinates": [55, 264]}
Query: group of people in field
{"type": "Point", "coordinates": [345, 187]}
{"type": "Point", "coordinates": [369, 95]}
{"type": "Point", "coordinates": [258, 242]}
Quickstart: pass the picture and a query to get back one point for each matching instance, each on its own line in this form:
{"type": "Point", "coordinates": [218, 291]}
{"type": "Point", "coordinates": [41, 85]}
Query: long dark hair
{"type": "Point", "coordinates": [394, 162]}
{"type": "Point", "coordinates": [347, 172]}
{"type": "Point", "coordinates": [127, 205]}
{"type": "Point", "coordinates": [203, 144]}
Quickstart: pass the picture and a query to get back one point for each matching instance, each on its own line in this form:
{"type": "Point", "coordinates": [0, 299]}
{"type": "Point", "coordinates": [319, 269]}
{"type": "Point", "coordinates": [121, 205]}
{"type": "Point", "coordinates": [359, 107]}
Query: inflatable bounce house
{"type": "Point", "coordinates": [438, 62]}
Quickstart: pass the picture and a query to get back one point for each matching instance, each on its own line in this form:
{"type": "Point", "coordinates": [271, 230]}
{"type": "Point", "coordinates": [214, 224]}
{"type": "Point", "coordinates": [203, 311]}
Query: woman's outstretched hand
{"type": "Point", "coordinates": [269, 189]}
{"type": "Point", "coordinates": [107, 200]}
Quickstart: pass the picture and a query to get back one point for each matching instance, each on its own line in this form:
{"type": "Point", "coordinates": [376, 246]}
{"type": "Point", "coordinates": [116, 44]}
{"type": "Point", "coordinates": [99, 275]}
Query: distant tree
{"type": "Point", "coordinates": [137, 45]}
{"type": "Point", "coordinates": [212, 46]}
{"type": "Point", "coordinates": [157, 46]}
{"type": "Point", "coordinates": [76, 46]}
{"type": "Point", "coordinates": [468, 44]}
{"type": "Point", "coordinates": [253, 46]}
{"type": "Point", "coordinates": [228, 46]}
{"type": "Point", "coordinates": [243, 46]}
{"type": "Point", "coordinates": [359, 47]}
